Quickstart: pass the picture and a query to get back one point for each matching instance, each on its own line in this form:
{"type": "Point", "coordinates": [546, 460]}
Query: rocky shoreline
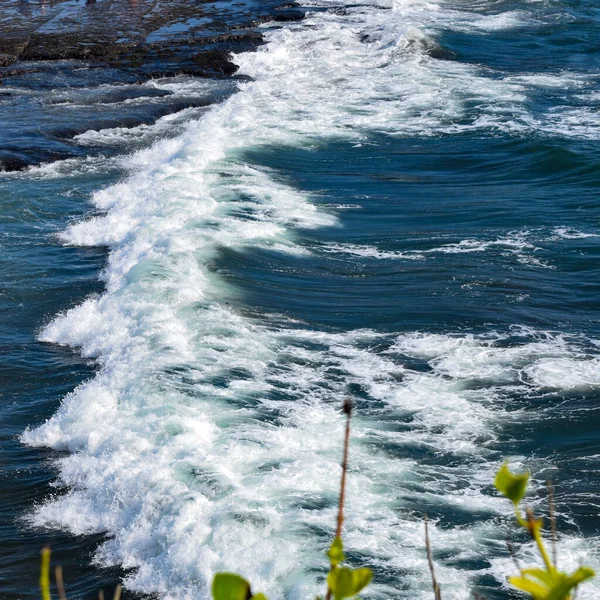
{"type": "Point", "coordinates": [149, 36]}
{"type": "Point", "coordinates": [133, 41]}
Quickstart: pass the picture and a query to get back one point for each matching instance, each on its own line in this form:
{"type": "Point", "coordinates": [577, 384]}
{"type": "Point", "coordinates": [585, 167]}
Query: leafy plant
{"type": "Point", "coordinates": [541, 584]}
{"type": "Point", "coordinates": [547, 583]}
{"type": "Point", "coordinates": [228, 586]}
{"type": "Point", "coordinates": [342, 582]}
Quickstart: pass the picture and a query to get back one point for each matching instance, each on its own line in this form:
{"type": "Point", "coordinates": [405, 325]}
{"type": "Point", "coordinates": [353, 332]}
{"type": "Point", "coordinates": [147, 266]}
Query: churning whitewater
{"type": "Point", "coordinates": [210, 437]}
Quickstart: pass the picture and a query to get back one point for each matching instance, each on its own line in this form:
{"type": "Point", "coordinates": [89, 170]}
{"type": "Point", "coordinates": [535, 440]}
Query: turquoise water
{"type": "Point", "coordinates": [397, 201]}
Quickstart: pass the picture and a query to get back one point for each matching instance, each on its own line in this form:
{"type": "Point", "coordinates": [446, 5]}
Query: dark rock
{"type": "Point", "coordinates": [11, 46]}
{"type": "Point", "coordinates": [13, 163]}
{"type": "Point", "coordinates": [215, 62]}
{"type": "Point", "coordinates": [65, 44]}
{"type": "Point", "coordinates": [18, 71]}
{"type": "Point", "coordinates": [7, 59]}
{"type": "Point", "coordinates": [289, 15]}
{"type": "Point", "coordinates": [136, 35]}
{"type": "Point", "coordinates": [69, 46]}
{"type": "Point", "coordinates": [19, 160]}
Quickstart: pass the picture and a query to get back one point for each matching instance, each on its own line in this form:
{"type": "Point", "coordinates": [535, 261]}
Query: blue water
{"type": "Point", "coordinates": [397, 201]}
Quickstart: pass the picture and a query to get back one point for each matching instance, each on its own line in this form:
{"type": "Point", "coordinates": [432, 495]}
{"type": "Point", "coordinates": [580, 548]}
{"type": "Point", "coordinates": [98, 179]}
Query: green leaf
{"type": "Point", "coordinates": [550, 585]}
{"type": "Point", "coordinates": [228, 586]}
{"type": "Point", "coordinates": [336, 552]}
{"type": "Point", "coordinates": [562, 589]}
{"type": "Point", "coordinates": [346, 583]}
{"type": "Point", "coordinates": [538, 591]}
{"type": "Point", "coordinates": [583, 574]}
{"type": "Point", "coordinates": [362, 578]}
{"type": "Point", "coordinates": [340, 582]}
{"type": "Point", "coordinates": [258, 597]}
{"type": "Point", "coordinates": [546, 577]}
{"type": "Point", "coordinates": [511, 485]}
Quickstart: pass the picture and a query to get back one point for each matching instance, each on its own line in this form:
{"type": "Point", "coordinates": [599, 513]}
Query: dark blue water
{"type": "Point", "coordinates": [400, 205]}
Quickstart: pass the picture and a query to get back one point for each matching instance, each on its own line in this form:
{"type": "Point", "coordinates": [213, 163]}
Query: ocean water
{"type": "Point", "coordinates": [396, 201]}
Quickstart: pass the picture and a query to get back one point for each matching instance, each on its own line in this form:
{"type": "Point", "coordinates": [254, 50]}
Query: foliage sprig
{"type": "Point", "coordinates": [541, 584]}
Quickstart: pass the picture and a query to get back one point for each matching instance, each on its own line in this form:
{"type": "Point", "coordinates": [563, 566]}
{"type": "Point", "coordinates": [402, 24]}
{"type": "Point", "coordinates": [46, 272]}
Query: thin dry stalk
{"type": "Point", "coordinates": [100, 594]}
{"type": "Point", "coordinates": [552, 510]}
{"type": "Point", "coordinates": [60, 584]}
{"type": "Point", "coordinates": [436, 586]}
{"type": "Point", "coordinates": [347, 410]}
{"type": "Point", "coordinates": [118, 590]}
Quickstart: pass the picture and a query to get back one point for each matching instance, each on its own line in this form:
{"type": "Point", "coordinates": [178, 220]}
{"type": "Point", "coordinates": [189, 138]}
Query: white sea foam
{"type": "Point", "coordinates": [71, 167]}
{"type": "Point", "coordinates": [209, 440]}
{"type": "Point", "coordinates": [503, 21]}
{"type": "Point", "coordinates": [516, 243]}
{"type": "Point", "coordinates": [520, 244]}
{"type": "Point", "coordinates": [144, 93]}
{"type": "Point", "coordinates": [169, 125]}
{"type": "Point", "coordinates": [565, 373]}
{"type": "Point", "coordinates": [568, 233]}
{"type": "Point", "coordinates": [367, 251]}
{"type": "Point", "coordinates": [181, 468]}
{"type": "Point", "coordinates": [564, 80]}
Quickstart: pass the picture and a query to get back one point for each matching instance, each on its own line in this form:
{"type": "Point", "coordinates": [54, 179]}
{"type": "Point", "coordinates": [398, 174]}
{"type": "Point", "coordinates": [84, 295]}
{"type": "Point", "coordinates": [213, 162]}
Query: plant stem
{"type": "Point", "coordinates": [535, 533]}
{"type": "Point", "coordinates": [552, 510]}
{"type": "Point", "coordinates": [436, 586]}
{"type": "Point", "coordinates": [45, 574]}
{"type": "Point", "coordinates": [60, 584]}
{"type": "Point", "coordinates": [347, 408]}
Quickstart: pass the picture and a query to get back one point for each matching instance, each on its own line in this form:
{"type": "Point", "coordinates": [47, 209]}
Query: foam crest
{"type": "Point", "coordinates": [169, 125]}
{"type": "Point", "coordinates": [212, 431]}
{"type": "Point", "coordinates": [519, 244]}
{"type": "Point", "coordinates": [401, 88]}
{"type": "Point", "coordinates": [566, 373]}
{"type": "Point", "coordinates": [133, 94]}
{"type": "Point", "coordinates": [550, 361]}
{"type": "Point", "coordinates": [367, 251]}
{"type": "Point", "coordinates": [569, 233]}
{"type": "Point", "coordinates": [69, 167]}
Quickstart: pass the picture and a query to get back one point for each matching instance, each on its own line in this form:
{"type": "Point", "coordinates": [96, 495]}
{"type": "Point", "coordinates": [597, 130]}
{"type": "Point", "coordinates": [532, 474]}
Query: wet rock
{"type": "Point", "coordinates": [9, 162]}
{"type": "Point", "coordinates": [289, 15]}
{"type": "Point", "coordinates": [215, 62]}
{"type": "Point", "coordinates": [6, 59]}
{"type": "Point", "coordinates": [157, 35]}
{"type": "Point", "coordinates": [11, 47]}
{"type": "Point", "coordinates": [50, 46]}
{"type": "Point", "coordinates": [19, 160]}
{"type": "Point", "coordinates": [45, 47]}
